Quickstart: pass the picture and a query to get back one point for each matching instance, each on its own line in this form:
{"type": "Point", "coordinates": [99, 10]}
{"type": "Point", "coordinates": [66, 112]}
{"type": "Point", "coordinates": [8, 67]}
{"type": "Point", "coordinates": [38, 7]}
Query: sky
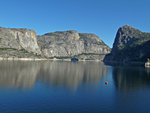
{"type": "Point", "coordinates": [102, 17]}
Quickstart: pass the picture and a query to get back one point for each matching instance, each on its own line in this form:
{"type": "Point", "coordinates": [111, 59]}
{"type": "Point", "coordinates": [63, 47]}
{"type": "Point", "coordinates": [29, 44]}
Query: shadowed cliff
{"type": "Point", "coordinates": [130, 45]}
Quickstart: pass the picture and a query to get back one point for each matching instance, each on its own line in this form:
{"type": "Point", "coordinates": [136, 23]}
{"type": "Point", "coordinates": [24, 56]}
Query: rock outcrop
{"type": "Point", "coordinates": [18, 42]}
{"type": "Point", "coordinates": [67, 44]}
{"type": "Point", "coordinates": [130, 45]}
{"type": "Point", "coordinates": [24, 43]}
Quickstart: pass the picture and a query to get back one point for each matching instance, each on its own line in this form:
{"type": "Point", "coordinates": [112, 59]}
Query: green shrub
{"type": "Point", "coordinates": [148, 60]}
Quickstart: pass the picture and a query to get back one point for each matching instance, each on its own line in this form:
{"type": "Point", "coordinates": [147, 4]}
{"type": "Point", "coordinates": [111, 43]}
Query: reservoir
{"type": "Point", "coordinates": [73, 87]}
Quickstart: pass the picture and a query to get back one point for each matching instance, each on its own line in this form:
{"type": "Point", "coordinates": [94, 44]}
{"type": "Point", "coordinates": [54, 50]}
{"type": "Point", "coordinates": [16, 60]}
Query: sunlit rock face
{"type": "Point", "coordinates": [19, 39]}
{"type": "Point", "coordinates": [70, 75]}
{"type": "Point", "coordinates": [63, 44]}
{"type": "Point", "coordinates": [24, 43]}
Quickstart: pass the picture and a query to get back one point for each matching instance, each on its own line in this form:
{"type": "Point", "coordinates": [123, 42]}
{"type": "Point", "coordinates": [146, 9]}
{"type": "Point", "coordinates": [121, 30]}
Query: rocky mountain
{"type": "Point", "coordinates": [24, 43]}
{"type": "Point", "coordinates": [130, 45]}
{"type": "Point", "coordinates": [67, 44]}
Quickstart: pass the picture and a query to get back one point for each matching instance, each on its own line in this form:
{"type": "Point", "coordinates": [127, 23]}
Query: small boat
{"type": "Point", "coordinates": [74, 60]}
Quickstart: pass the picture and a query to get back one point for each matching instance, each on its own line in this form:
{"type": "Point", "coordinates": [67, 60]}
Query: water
{"type": "Point", "coordinates": [73, 87]}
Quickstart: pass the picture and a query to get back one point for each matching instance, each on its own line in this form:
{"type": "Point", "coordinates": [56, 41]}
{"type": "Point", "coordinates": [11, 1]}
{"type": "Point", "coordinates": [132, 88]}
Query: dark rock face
{"type": "Point", "coordinates": [130, 45]}
{"type": "Point", "coordinates": [67, 44]}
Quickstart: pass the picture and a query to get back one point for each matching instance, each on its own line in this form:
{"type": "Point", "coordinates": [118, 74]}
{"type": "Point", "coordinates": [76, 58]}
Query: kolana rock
{"type": "Point", "coordinates": [23, 43]}
{"type": "Point", "coordinates": [68, 44]}
{"type": "Point", "coordinates": [130, 45]}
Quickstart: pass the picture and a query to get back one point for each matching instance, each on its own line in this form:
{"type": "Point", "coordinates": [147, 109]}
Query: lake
{"type": "Point", "coordinates": [73, 87]}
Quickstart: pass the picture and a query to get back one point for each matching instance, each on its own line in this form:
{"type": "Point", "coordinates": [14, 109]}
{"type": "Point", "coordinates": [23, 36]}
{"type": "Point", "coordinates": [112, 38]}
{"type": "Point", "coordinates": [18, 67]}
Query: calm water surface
{"type": "Point", "coordinates": [73, 87]}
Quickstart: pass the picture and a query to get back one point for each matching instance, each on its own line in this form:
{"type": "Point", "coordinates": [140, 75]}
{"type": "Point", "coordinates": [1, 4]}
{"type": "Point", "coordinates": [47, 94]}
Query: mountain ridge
{"type": "Point", "coordinates": [24, 43]}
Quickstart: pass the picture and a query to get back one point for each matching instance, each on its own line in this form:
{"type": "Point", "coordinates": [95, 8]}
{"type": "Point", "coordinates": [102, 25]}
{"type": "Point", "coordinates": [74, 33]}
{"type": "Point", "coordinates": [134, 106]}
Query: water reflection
{"type": "Point", "coordinates": [130, 78]}
{"type": "Point", "coordinates": [20, 74]}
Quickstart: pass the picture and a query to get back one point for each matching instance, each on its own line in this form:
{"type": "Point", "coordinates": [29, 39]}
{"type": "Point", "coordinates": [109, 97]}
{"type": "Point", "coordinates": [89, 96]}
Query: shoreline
{"type": "Point", "coordinates": [114, 63]}
{"type": "Point", "coordinates": [23, 59]}
{"type": "Point", "coordinates": [111, 63]}
{"type": "Point", "coordinates": [41, 59]}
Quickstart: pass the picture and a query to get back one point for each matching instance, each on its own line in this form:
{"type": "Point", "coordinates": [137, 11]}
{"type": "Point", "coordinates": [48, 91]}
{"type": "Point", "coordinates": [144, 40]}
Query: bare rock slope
{"type": "Point", "coordinates": [67, 44]}
{"type": "Point", "coordinates": [18, 43]}
{"type": "Point", "coordinates": [24, 43]}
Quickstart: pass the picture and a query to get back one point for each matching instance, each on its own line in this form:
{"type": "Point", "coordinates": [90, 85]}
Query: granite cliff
{"type": "Point", "coordinates": [18, 43]}
{"type": "Point", "coordinates": [24, 43]}
{"type": "Point", "coordinates": [67, 44]}
{"type": "Point", "coordinates": [130, 45]}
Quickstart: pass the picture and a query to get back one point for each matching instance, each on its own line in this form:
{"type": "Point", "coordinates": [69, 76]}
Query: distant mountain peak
{"type": "Point", "coordinates": [128, 28]}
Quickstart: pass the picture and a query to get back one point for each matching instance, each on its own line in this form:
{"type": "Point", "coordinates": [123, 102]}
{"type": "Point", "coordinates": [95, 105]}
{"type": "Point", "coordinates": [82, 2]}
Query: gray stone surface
{"type": "Point", "coordinates": [71, 44]}
{"type": "Point", "coordinates": [23, 43]}
{"type": "Point", "coordinates": [19, 39]}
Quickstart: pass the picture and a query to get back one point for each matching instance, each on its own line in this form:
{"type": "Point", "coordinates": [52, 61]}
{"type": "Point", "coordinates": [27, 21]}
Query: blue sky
{"type": "Point", "coordinates": [102, 17]}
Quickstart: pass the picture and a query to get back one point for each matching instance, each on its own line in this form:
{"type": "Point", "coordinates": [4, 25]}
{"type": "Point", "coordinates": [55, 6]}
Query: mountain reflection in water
{"type": "Point", "coordinates": [130, 78]}
{"type": "Point", "coordinates": [24, 74]}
